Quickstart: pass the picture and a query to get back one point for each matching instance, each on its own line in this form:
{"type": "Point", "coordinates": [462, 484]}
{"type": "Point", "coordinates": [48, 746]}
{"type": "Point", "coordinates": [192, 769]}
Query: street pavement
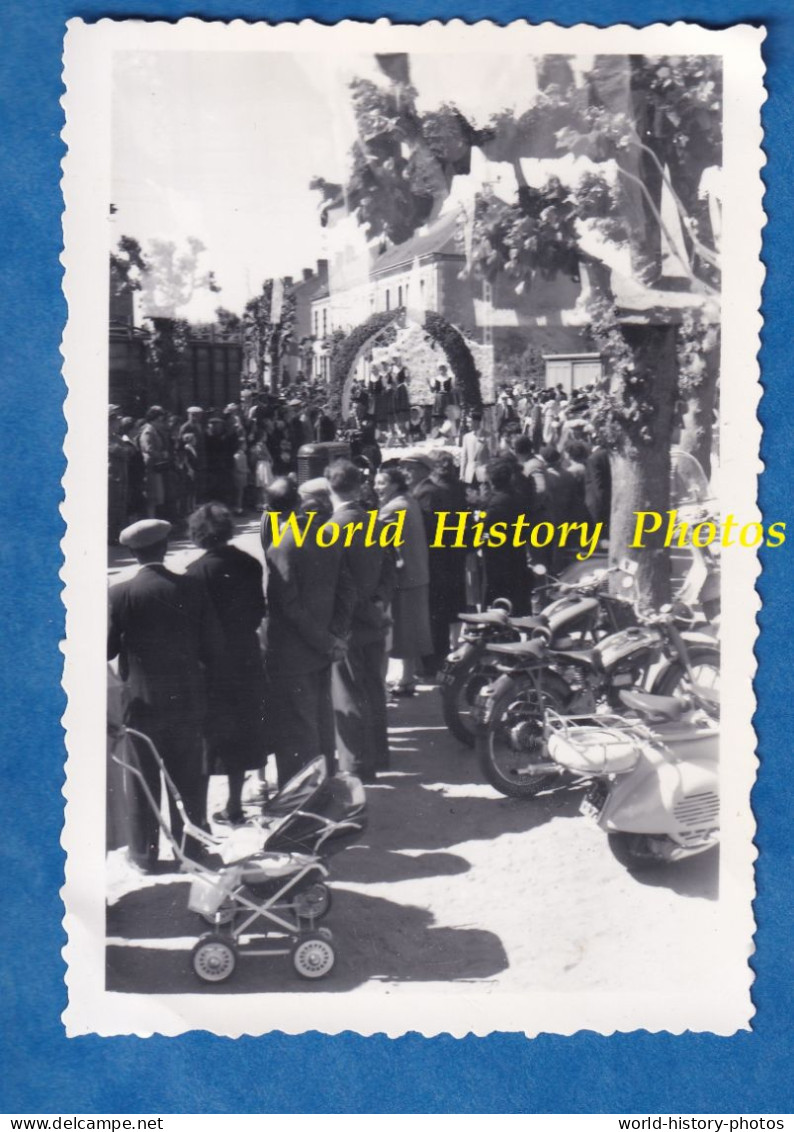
{"type": "Point", "coordinates": [451, 884]}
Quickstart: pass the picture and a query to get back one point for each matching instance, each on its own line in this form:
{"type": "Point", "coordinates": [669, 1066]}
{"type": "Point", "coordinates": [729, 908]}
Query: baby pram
{"type": "Point", "coordinates": [267, 873]}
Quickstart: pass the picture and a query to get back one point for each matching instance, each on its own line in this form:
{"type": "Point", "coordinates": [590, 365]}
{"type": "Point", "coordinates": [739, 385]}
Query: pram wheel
{"type": "Point", "coordinates": [313, 902]}
{"type": "Point", "coordinates": [313, 956]}
{"type": "Point", "coordinates": [214, 958]}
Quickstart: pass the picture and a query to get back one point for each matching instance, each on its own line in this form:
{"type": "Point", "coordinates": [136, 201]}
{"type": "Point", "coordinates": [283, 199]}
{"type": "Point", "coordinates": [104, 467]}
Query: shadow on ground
{"type": "Point", "coordinates": [375, 940]}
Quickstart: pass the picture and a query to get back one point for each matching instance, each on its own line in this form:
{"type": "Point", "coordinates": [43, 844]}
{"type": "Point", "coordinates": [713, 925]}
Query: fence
{"type": "Point", "coordinates": [208, 373]}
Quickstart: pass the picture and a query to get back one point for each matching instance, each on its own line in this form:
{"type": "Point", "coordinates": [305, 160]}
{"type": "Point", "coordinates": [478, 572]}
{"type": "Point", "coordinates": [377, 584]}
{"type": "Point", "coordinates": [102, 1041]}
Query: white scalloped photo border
{"type": "Point", "coordinates": [430, 1008]}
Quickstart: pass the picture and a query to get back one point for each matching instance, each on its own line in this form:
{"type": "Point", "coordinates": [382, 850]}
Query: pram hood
{"type": "Point", "coordinates": [314, 810]}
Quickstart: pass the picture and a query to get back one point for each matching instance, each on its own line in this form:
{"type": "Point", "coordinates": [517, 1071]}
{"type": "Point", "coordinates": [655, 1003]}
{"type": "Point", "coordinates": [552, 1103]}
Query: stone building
{"type": "Point", "coordinates": [428, 273]}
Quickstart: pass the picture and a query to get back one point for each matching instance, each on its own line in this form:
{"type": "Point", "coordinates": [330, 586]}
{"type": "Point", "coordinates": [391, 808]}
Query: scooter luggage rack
{"type": "Point", "coordinates": [607, 721]}
{"type": "Point", "coordinates": [611, 737]}
{"type": "Point", "coordinates": [215, 955]}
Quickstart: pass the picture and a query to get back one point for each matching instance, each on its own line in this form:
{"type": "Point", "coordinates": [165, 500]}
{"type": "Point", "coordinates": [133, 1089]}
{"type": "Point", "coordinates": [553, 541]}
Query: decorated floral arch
{"type": "Point", "coordinates": [347, 351]}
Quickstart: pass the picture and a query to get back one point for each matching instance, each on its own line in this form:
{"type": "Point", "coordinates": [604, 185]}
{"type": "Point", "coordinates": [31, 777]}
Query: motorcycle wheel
{"type": "Point", "coordinates": [459, 697]}
{"type": "Point", "coordinates": [512, 748]}
{"type": "Point", "coordinates": [675, 680]}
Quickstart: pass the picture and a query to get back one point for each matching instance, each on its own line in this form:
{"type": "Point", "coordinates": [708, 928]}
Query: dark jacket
{"type": "Point", "coordinates": [372, 569]}
{"type": "Point", "coordinates": [565, 497]}
{"type": "Point", "coordinates": [506, 566]}
{"type": "Point", "coordinates": [310, 596]}
{"type": "Point", "coordinates": [164, 630]}
{"type": "Point", "coordinates": [236, 695]}
{"type": "Point", "coordinates": [447, 562]}
{"type": "Point", "coordinates": [598, 486]}
{"type": "Point", "coordinates": [233, 580]}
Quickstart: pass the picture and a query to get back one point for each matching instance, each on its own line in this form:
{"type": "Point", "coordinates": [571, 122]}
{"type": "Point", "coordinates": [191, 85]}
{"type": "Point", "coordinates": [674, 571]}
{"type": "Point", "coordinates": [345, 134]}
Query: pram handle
{"type": "Point", "coordinates": [189, 829]}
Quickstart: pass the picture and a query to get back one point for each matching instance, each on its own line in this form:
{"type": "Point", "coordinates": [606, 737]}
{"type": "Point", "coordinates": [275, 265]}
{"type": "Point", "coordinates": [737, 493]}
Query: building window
{"type": "Point", "coordinates": [422, 290]}
{"type": "Point", "coordinates": [399, 296]}
{"type": "Point", "coordinates": [316, 324]}
{"type": "Point", "coordinates": [388, 300]}
{"type": "Point", "coordinates": [325, 322]}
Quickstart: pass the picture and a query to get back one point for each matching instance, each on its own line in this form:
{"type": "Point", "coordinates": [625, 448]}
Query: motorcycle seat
{"type": "Point", "coordinates": [489, 617]}
{"type": "Point", "coordinates": [656, 707]}
{"type": "Point", "coordinates": [520, 650]}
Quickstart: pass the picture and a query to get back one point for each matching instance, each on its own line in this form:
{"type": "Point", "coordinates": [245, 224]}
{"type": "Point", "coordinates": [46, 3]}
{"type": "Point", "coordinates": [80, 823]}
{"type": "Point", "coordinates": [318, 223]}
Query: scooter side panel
{"type": "Point", "coordinates": [663, 797]}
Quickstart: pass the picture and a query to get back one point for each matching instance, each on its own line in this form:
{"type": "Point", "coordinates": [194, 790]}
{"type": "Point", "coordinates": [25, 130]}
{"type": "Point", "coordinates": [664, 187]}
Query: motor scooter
{"type": "Point", "coordinates": [652, 777]}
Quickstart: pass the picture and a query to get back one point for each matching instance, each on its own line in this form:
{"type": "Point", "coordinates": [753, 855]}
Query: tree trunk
{"type": "Point", "coordinates": [697, 418]}
{"type": "Point", "coordinates": [641, 472]}
{"type": "Point", "coordinates": [274, 364]}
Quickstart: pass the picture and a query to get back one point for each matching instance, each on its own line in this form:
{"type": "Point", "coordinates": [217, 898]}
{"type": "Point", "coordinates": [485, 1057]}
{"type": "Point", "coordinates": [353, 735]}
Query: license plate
{"type": "Point", "coordinates": [588, 810]}
{"type": "Point", "coordinates": [446, 677]}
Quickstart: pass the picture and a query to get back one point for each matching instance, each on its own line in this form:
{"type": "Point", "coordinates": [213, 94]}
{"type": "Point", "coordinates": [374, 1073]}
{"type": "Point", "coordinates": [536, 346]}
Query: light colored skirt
{"type": "Point", "coordinates": [410, 613]}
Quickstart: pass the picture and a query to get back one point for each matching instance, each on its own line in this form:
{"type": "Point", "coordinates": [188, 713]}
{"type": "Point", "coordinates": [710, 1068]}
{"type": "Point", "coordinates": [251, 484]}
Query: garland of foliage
{"type": "Point", "coordinates": [345, 350]}
{"type": "Point", "coordinates": [459, 357]}
{"type": "Point", "coordinates": [697, 338]}
{"type": "Point", "coordinates": [623, 410]}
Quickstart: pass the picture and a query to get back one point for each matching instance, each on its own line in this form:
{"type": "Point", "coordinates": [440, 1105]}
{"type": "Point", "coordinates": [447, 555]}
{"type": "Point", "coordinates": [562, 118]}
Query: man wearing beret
{"type": "Point", "coordinates": [165, 632]}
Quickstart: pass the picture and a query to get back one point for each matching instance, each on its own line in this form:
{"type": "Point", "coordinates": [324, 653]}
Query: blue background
{"type": "Point", "coordinates": [42, 1071]}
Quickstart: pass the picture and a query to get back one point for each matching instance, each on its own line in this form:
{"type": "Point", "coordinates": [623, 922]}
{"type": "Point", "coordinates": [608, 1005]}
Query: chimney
{"type": "Point", "coordinates": [322, 268]}
{"type": "Point", "coordinates": [307, 273]}
{"type": "Point", "coordinates": [287, 281]}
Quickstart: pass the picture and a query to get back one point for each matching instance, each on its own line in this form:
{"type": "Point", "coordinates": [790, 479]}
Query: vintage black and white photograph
{"type": "Point", "coordinates": [413, 591]}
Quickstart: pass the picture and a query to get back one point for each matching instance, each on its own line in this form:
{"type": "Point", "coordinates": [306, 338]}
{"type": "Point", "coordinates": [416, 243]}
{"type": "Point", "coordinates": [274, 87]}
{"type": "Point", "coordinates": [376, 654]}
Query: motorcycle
{"type": "Point", "coordinates": [662, 654]}
{"type": "Point", "coordinates": [652, 779]}
{"type": "Point", "coordinates": [579, 614]}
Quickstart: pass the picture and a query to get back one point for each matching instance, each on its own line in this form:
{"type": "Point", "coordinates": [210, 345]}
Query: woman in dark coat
{"type": "Point", "coordinates": [235, 717]}
{"type": "Point", "coordinates": [410, 610]}
{"type": "Point", "coordinates": [506, 573]}
{"type": "Point", "coordinates": [443, 491]}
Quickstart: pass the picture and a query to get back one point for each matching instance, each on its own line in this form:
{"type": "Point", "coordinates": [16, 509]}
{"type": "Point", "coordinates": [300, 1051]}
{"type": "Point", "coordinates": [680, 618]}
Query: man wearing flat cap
{"type": "Point", "coordinates": [165, 632]}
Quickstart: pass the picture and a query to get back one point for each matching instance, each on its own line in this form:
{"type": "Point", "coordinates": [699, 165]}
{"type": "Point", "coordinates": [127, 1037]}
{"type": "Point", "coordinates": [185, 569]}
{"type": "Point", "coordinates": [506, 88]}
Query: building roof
{"type": "Point", "coordinates": [439, 239]}
{"type": "Point", "coordinates": [307, 290]}
{"type": "Point", "coordinates": [322, 292]}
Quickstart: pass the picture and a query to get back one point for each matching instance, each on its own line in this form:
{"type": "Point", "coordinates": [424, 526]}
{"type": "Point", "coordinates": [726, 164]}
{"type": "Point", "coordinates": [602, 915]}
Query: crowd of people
{"type": "Point", "coordinates": [224, 665]}
{"type": "Point", "coordinates": [163, 465]}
